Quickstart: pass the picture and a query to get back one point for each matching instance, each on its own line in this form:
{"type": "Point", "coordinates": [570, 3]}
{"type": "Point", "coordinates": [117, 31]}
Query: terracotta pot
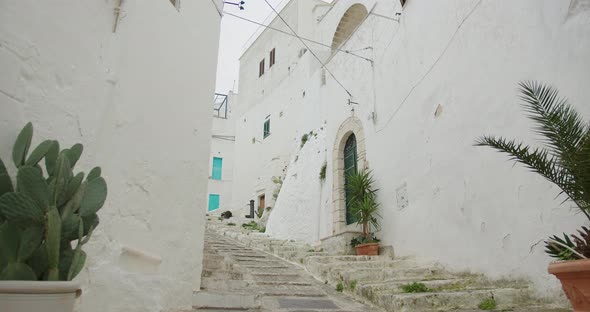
{"type": "Point", "coordinates": [367, 249]}
{"type": "Point", "coordinates": [575, 280]}
{"type": "Point", "coordinates": [28, 296]}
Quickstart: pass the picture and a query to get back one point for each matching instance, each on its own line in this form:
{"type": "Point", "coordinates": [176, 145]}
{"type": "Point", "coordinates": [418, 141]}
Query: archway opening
{"type": "Point", "coordinates": [349, 22]}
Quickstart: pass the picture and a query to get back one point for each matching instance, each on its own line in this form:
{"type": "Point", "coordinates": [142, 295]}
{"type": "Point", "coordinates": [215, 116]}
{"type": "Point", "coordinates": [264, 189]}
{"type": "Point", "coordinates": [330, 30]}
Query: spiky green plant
{"type": "Point", "coordinates": [564, 160]}
{"type": "Point", "coordinates": [363, 201]}
{"type": "Point", "coordinates": [40, 217]}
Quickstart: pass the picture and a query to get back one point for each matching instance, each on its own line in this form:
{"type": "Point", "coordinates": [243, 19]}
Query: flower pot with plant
{"type": "Point", "coordinates": [564, 161]}
{"type": "Point", "coordinates": [44, 222]}
{"type": "Point", "coordinates": [364, 210]}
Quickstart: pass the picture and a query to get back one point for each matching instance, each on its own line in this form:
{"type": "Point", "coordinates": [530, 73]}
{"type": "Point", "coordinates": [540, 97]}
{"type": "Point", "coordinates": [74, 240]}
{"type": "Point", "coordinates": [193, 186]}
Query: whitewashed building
{"type": "Point", "coordinates": [131, 80]}
{"type": "Point", "coordinates": [223, 137]}
{"type": "Point", "coordinates": [406, 90]}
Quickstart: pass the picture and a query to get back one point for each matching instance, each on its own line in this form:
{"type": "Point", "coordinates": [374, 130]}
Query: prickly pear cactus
{"type": "Point", "coordinates": [45, 220]}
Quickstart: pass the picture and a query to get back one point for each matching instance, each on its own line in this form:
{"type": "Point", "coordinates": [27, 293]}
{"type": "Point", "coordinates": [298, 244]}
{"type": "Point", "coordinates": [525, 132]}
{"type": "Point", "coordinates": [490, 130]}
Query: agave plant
{"type": "Point", "coordinates": [563, 160]}
{"type": "Point", "coordinates": [362, 198]}
{"type": "Point", "coordinates": [45, 221]}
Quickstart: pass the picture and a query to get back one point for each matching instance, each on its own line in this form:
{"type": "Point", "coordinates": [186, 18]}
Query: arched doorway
{"type": "Point", "coordinates": [350, 167]}
{"type": "Point", "coordinates": [349, 155]}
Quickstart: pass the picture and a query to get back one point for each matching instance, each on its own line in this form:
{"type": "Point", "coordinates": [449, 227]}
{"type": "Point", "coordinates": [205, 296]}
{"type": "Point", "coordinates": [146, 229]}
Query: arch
{"type": "Point", "coordinates": [349, 22]}
{"type": "Point", "coordinates": [350, 128]}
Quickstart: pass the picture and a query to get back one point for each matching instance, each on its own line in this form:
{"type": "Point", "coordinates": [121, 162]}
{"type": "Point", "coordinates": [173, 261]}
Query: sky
{"type": "Point", "coordinates": [236, 35]}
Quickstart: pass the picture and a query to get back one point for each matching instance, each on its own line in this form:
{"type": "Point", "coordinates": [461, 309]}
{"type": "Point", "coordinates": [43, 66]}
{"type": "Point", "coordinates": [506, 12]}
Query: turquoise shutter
{"type": "Point", "coordinates": [213, 202]}
{"type": "Point", "coordinates": [217, 168]}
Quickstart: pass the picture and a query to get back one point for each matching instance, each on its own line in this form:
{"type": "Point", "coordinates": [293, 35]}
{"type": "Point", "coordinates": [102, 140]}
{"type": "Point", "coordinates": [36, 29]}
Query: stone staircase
{"type": "Point", "coordinates": [380, 280]}
{"type": "Point", "coordinates": [238, 278]}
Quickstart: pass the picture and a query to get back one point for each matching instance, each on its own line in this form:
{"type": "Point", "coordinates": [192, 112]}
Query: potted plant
{"type": "Point", "coordinates": [565, 161]}
{"type": "Point", "coordinates": [44, 222]}
{"type": "Point", "coordinates": [364, 210]}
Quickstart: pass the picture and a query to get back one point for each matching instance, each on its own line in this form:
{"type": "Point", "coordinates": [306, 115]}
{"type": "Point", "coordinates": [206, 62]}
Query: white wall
{"type": "Point", "coordinates": [139, 100]}
{"type": "Point", "coordinates": [469, 207]}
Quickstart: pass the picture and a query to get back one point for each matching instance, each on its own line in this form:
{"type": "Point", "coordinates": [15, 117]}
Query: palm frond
{"type": "Point", "coordinates": [562, 128]}
{"type": "Point", "coordinates": [538, 160]}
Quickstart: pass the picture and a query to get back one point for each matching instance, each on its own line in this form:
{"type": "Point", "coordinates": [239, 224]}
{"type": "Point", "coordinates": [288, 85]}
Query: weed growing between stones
{"type": "Point", "coordinates": [251, 226]}
{"type": "Point", "coordinates": [415, 288]}
{"type": "Point", "coordinates": [353, 284]}
{"type": "Point", "coordinates": [339, 287]}
{"type": "Point", "coordinates": [487, 304]}
{"type": "Point", "coordinates": [231, 224]}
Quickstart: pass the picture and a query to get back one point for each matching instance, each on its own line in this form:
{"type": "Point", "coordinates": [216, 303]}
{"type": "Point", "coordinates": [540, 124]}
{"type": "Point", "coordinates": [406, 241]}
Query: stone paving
{"type": "Point", "coordinates": [291, 276]}
{"type": "Point", "coordinates": [239, 278]}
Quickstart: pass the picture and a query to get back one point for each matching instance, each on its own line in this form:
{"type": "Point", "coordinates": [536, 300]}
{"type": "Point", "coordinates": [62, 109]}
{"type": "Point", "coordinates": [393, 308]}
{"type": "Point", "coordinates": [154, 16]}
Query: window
{"type": "Point", "coordinates": [403, 2]}
{"type": "Point", "coordinates": [213, 202]}
{"type": "Point", "coordinates": [272, 57]}
{"type": "Point", "coordinates": [266, 128]}
{"type": "Point", "coordinates": [350, 167]}
{"type": "Point", "coordinates": [261, 68]}
{"type": "Point", "coordinates": [217, 165]}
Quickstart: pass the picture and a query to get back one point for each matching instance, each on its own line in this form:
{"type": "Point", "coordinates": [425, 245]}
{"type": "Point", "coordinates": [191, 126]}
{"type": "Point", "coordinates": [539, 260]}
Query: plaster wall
{"type": "Point", "coordinates": [275, 96]}
{"type": "Point", "coordinates": [433, 89]}
{"type": "Point", "coordinates": [139, 100]}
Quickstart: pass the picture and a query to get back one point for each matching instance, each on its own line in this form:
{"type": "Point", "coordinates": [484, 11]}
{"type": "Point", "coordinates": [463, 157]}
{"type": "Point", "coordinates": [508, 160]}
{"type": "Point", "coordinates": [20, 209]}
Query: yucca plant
{"type": "Point", "coordinates": [45, 221]}
{"type": "Point", "coordinates": [362, 197]}
{"type": "Point", "coordinates": [564, 159]}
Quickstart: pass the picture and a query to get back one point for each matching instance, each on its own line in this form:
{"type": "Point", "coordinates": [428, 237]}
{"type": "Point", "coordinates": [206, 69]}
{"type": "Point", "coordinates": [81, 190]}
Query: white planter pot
{"type": "Point", "coordinates": [33, 296]}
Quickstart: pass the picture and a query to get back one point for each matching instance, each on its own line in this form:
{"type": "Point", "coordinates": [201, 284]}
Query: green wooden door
{"type": "Point", "coordinates": [350, 166]}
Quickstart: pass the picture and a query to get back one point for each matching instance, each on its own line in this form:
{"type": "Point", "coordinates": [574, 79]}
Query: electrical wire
{"type": "Point", "coordinates": [306, 39]}
{"type": "Point", "coordinates": [308, 48]}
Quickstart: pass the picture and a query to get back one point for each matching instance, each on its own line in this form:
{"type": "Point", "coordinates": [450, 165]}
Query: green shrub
{"type": "Point", "coordinates": [339, 287]}
{"type": "Point", "coordinates": [353, 284]}
{"type": "Point", "coordinates": [323, 171]}
{"type": "Point", "coordinates": [415, 288]}
{"type": "Point", "coordinates": [487, 304]}
{"type": "Point", "coordinates": [304, 139]}
{"type": "Point", "coordinates": [252, 225]}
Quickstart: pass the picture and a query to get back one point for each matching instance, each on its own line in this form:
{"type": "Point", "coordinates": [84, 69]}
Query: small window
{"type": "Point", "coordinates": [266, 128]}
{"type": "Point", "coordinates": [213, 202]}
{"type": "Point", "coordinates": [272, 58]}
{"type": "Point", "coordinates": [217, 165]}
{"type": "Point", "coordinates": [261, 68]}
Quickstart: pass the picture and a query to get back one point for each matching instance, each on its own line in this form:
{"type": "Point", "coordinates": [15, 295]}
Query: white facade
{"type": "Point", "coordinates": [223, 136]}
{"type": "Point", "coordinates": [442, 73]}
{"type": "Point", "coordinates": [138, 98]}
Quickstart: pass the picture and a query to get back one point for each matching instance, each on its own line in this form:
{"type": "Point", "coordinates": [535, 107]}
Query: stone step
{"type": "Point", "coordinates": [209, 283]}
{"type": "Point", "coordinates": [222, 275]}
{"type": "Point", "coordinates": [224, 300]}
{"type": "Point", "coordinates": [506, 298]}
{"type": "Point", "coordinates": [383, 275]}
{"type": "Point", "coordinates": [279, 283]}
{"type": "Point", "coordinates": [267, 277]}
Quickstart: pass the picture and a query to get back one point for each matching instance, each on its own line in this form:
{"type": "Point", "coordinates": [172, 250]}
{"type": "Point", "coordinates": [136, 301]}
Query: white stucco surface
{"type": "Point", "coordinates": [443, 75]}
{"type": "Point", "coordinates": [139, 99]}
{"type": "Point", "coordinates": [298, 212]}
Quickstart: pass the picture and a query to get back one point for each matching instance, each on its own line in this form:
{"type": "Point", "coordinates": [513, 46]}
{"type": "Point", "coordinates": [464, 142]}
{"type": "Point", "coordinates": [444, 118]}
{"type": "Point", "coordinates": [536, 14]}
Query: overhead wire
{"type": "Point", "coordinates": [308, 48]}
{"type": "Point", "coordinates": [306, 39]}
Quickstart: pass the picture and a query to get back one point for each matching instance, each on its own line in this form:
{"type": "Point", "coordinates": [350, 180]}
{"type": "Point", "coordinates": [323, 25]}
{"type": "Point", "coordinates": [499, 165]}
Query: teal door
{"type": "Point", "coordinates": [213, 202]}
{"type": "Point", "coordinates": [350, 166]}
{"type": "Point", "coordinates": [217, 168]}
